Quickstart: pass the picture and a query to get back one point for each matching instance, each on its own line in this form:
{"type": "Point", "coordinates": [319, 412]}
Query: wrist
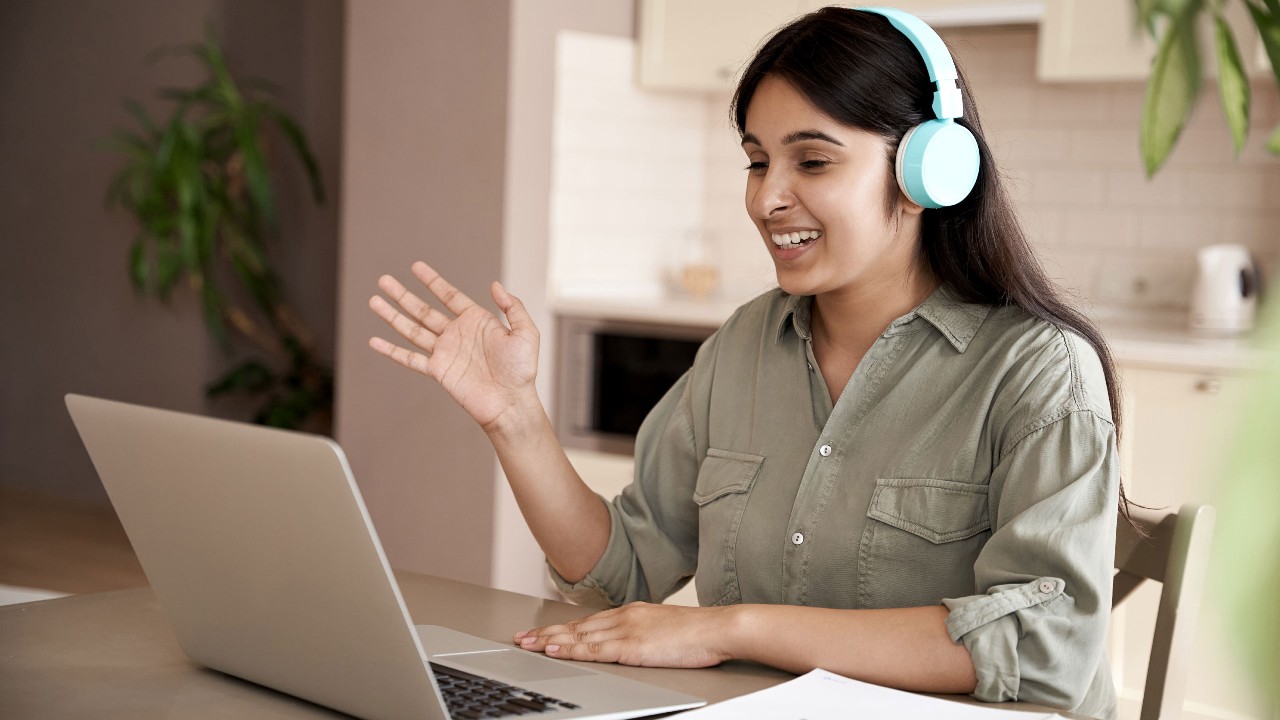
{"type": "Point", "coordinates": [736, 637]}
{"type": "Point", "coordinates": [524, 417]}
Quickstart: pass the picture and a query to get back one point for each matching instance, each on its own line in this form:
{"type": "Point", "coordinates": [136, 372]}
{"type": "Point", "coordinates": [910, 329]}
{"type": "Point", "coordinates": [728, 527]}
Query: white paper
{"type": "Point", "coordinates": [820, 695]}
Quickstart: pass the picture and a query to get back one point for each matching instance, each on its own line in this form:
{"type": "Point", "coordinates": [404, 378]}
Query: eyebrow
{"type": "Point", "coordinates": [794, 137]}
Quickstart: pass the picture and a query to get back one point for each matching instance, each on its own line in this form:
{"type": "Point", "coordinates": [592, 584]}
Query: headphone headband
{"type": "Point", "coordinates": [937, 60]}
{"type": "Point", "coordinates": [938, 160]}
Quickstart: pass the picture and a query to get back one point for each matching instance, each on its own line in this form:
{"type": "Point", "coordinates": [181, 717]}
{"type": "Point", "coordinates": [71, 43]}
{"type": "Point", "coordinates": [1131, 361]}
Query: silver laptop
{"type": "Point", "coordinates": [261, 553]}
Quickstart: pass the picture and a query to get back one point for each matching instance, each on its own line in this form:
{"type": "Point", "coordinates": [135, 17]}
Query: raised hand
{"type": "Point", "coordinates": [487, 368]}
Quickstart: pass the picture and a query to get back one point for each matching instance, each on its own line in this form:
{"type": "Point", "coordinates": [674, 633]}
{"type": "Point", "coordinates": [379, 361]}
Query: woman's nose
{"type": "Point", "coordinates": [768, 197]}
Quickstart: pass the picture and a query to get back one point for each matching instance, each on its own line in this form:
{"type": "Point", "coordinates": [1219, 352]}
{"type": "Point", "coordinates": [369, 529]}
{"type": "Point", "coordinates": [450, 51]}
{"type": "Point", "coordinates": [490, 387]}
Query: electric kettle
{"type": "Point", "coordinates": [1225, 297]}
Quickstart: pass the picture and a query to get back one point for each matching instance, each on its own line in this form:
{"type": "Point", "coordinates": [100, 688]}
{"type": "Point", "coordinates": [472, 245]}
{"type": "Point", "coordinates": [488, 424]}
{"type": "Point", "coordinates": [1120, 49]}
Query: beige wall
{"type": "Point", "coordinates": [424, 148]}
{"type": "Point", "coordinates": [517, 561]}
{"type": "Point", "coordinates": [447, 159]}
{"type": "Point", "coordinates": [70, 319]}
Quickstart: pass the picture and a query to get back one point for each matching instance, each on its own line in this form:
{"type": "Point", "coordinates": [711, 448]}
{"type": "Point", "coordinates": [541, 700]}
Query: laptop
{"type": "Point", "coordinates": [261, 553]}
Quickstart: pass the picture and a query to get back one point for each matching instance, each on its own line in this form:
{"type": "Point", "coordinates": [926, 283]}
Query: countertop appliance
{"type": "Point", "coordinates": [612, 372]}
{"type": "Point", "coordinates": [1225, 297]}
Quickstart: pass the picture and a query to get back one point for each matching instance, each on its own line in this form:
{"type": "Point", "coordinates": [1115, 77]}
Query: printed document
{"type": "Point", "coordinates": [821, 695]}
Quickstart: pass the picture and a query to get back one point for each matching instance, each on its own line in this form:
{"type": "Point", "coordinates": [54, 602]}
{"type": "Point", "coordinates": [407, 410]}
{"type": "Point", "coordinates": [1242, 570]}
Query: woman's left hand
{"type": "Point", "coordinates": [639, 634]}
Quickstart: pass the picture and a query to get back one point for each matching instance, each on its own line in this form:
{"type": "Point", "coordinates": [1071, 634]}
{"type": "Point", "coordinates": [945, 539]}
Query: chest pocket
{"type": "Point", "coordinates": [724, 484]}
{"type": "Point", "coordinates": [922, 543]}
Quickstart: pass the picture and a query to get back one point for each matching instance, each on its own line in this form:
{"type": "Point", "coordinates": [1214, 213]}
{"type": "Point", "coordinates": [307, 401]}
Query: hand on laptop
{"type": "Point", "coordinates": [487, 368]}
{"type": "Point", "coordinates": [638, 634]}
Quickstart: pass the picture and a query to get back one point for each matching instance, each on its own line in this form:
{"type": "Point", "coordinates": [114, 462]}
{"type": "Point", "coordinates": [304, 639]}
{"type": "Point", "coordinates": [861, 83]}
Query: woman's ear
{"type": "Point", "coordinates": [907, 205]}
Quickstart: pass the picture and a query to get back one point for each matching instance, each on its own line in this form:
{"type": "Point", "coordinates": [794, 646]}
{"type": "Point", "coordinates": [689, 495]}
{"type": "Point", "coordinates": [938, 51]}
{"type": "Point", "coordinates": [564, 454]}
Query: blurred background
{"type": "Point", "coordinates": [581, 151]}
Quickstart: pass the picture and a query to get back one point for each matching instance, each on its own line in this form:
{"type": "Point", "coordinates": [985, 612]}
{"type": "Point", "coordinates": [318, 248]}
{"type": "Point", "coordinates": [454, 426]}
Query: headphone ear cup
{"type": "Point", "coordinates": [937, 163]}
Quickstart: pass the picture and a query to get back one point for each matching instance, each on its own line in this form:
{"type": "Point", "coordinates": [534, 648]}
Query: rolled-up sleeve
{"type": "Point", "coordinates": [653, 539]}
{"type": "Point", "coordinates": [1037, 629]}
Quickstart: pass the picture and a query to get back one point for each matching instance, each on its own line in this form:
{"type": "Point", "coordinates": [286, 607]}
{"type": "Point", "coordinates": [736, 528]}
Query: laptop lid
{"type": "Point", "coordinates": [212, 507]}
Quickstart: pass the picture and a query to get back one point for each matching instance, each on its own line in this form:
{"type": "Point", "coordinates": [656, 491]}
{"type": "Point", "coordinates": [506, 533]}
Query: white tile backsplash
{"type": "Point", "coordinates": [628, 173]}
{"type": "Point", "coordinates": [643, 179]}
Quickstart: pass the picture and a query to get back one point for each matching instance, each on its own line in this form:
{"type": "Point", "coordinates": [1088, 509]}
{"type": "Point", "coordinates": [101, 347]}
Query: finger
{"type": "Point", "coordinates": [452, 297]}
{"type": "Point", "coordinates": [412, 360]}
{"type": "Point", "coordinates": [410, 330]}
{"type": "Point", "coordinates": [432, 319]}
{"type": "Point", "coordinates": [590, 651]}
{"type": "Point", "coordinates": [511, 306]}
{"type": "Point", "coordinates": [601, 624]}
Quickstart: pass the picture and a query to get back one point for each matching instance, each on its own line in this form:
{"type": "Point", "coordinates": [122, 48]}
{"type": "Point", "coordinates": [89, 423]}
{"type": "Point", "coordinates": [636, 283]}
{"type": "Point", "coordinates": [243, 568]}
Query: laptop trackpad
{"type": "Point", "coordinates": [517, 665]}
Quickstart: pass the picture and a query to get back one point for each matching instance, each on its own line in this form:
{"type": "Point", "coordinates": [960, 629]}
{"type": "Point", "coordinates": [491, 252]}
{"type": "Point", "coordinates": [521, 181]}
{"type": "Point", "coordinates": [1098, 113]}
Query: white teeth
{"type": "Point", "coordinates": [795, 238]}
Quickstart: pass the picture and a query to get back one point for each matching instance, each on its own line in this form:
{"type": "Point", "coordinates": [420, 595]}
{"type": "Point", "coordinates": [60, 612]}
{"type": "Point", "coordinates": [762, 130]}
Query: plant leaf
{"type": "Point", "coordinates": [250, 376]}
{"type": "Point", "coordinates": [1273, 145]}
{"type": "Point", "coordinates": [211, 303]}
{"type": "Point", "coordinates": [139, 267]}
{"type": "Point", "coordinates": [255, 168]}
{"type": "Point", "coordinates": [1145, 15]}
{"type": "Point", "coordinates": [140, 114]}
{"type": "Point", "coordinates": [1269, 30]}
{"type": "Point", "coordinates": [1233, 88]}
{"type": "Point", "coordinates": [298, 141]}
{"type": "Point", "coordinates": [1171, 93]}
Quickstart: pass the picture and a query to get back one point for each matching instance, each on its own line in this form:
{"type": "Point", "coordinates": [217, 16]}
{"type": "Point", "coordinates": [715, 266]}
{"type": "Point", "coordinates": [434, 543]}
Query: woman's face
{"type": "Point", "coordinates": [816, 189]}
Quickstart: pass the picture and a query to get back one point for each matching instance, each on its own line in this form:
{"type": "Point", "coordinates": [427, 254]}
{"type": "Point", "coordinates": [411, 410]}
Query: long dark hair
{"type": "Point", "coordinates": [859, 70]}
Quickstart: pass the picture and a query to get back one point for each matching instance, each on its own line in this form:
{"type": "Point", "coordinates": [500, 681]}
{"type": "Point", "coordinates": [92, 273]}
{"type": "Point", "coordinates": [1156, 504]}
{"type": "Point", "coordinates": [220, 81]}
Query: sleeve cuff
{"type": "Point", "coordinates": [610, 570]}
{"type": "Point", "coordinates": [989, 629]}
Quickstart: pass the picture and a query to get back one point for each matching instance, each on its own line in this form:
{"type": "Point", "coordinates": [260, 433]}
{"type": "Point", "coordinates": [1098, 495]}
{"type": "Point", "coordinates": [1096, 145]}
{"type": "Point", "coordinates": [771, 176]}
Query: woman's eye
{"type": "Point", "coordinates": [758, 166]}
{"type": "Point", "coordinates": [814, 164]}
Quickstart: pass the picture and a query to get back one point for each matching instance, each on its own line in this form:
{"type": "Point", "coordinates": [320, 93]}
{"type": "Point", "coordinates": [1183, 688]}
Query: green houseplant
{"type": "Point", "coordinates": [199, 186]}
{"type": "Point", "coordinates": [1174, 84]}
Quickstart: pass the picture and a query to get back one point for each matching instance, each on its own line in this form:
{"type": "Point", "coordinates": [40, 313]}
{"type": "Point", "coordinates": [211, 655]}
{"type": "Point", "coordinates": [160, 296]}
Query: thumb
{"type": "Point", "coordinates": [517, 316]}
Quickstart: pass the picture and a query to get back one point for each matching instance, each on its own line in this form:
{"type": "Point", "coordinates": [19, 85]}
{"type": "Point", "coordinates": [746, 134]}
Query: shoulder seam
{"type": "Point", "coordinates": [1045, 421]}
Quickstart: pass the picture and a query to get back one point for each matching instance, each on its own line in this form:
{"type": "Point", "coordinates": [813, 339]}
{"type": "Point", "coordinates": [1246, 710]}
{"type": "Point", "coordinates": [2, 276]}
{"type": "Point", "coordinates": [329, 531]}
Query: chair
{"type": "Point", "coordinates": [1176, 554]}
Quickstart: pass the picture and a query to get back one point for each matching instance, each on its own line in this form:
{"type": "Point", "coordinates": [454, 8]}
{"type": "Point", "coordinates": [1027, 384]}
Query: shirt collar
{"type": "Point", "coordinates": [957, 320]}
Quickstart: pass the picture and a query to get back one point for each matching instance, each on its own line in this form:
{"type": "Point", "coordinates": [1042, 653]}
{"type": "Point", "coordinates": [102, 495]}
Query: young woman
{"type": "Point", "coordinates": [899, 466]}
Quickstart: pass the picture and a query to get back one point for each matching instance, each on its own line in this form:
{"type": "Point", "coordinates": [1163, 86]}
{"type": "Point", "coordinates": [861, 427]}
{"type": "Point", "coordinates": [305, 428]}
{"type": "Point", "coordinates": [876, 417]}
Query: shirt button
{"type": "Point", "coordinates": [825, 451]}
{"type": "Point", "coordinates": [797, 538]}
{"type": "Point", "coordinates": [1046, 587]}
{"type": "Point", "coordinates": [810, 366]}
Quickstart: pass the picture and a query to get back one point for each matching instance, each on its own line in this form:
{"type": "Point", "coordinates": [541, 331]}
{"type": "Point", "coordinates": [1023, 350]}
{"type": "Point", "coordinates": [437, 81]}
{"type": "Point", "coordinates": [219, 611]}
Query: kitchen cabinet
{"type": "Point", "coordinates": [1176, 426]}
{"type": "Point", "coordinates": [703, 45]}
{"type": "Point", "coordinates": [1094, 40]}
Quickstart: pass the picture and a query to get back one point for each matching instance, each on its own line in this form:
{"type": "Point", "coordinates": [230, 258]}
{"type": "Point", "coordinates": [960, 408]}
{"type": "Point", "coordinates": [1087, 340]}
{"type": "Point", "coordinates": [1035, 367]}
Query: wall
{"type": "Point", "coordinates": [1072, 151]}
{"type": "Point", "coordinates": [424, 147]}
{"type": "Point", "coordinates": [71, 320]}
{"type": "Point", "coordinates": [627, 235]}
{"type": "Point", "coordinates": [1069, 153]}
{"type": "Point", "coordinates": [535, 25]}
{"type": "Point", "coordinates": [452, 167]}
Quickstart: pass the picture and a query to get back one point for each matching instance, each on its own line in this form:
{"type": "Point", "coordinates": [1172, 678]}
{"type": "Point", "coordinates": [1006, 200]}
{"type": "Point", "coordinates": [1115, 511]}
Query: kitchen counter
{"type": "Point", "coordinates": [1160, 339]}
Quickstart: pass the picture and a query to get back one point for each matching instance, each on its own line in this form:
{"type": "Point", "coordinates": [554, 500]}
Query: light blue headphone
{"type": "Point", "coordinates": [937, 163]}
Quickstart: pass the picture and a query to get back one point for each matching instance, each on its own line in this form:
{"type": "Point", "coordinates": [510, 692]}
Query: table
{"type": "Point", "coordinates": [112, 655]}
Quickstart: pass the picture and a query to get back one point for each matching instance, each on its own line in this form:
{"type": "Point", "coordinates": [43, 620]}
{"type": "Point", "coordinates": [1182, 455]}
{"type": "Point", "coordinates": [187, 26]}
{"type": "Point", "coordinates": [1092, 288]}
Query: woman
{"type": "Point", "coordinates": [899, 466]}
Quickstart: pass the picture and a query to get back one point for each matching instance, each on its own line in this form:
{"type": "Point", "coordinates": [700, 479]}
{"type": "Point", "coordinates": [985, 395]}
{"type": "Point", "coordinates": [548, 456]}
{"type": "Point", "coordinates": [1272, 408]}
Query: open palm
{"type": "Point", "coordinates": [486, 367]}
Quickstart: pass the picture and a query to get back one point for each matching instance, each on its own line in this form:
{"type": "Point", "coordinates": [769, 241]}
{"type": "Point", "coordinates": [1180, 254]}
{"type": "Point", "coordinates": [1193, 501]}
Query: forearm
{"type": "Point", "coordinates": [568, 520]}
{"type": "Point", "coordinates": [906, 648]}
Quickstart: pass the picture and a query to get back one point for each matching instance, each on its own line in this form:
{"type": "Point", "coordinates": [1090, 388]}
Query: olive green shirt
{"type": "Point", "coordinates": [970, 461]}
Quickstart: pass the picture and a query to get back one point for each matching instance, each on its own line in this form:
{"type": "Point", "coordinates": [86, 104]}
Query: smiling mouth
{"type": "Point", "coordinates": [791, 240]}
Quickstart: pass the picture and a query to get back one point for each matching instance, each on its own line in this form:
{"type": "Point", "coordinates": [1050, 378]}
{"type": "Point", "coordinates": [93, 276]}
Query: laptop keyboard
{"type": "Point", "coordinates": [471, 696]}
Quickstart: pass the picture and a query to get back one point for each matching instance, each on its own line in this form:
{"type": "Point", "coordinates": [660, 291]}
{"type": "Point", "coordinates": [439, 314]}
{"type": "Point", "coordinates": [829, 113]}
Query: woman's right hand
{"type": "Point", "coordinates": [487, 368]}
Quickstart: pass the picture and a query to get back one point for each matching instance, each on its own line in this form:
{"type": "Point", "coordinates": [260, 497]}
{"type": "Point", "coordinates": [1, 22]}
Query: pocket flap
{"type": "Point", "coordinates": [937, 510]}
{"type": "Point", "coordinates": [723, 473]}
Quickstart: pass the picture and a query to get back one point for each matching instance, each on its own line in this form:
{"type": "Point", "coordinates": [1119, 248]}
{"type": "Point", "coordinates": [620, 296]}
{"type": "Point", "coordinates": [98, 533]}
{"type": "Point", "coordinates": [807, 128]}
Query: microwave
{"type": "Point", "coordinates": [610, 374]}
